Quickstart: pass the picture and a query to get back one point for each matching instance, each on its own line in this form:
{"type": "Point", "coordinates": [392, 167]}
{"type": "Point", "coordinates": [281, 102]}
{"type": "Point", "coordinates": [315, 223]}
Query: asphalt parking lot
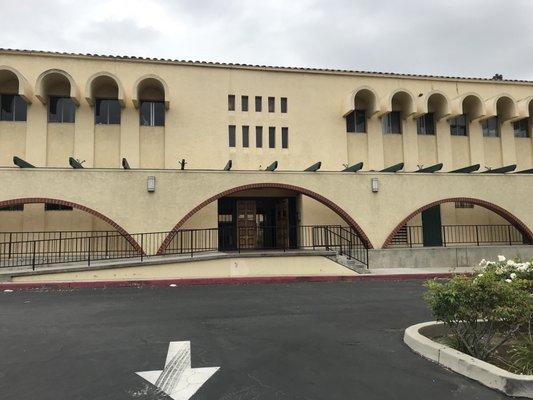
{"type": "Point", "coordinates": [304, 341]}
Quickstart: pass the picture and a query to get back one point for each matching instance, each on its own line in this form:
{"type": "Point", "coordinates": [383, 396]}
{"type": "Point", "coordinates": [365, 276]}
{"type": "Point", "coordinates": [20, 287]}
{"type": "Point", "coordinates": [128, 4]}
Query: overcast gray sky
{"type": "Point", "coordinates": [444, 37]}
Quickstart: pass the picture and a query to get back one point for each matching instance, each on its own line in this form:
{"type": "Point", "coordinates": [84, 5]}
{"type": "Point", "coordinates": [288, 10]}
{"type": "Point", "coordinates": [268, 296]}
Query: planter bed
{"type": "Point", "coordinates": [418, 338]}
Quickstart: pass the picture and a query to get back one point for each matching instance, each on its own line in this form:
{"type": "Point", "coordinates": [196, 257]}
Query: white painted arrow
{"type": "Point", "coordinates": [178, 380]}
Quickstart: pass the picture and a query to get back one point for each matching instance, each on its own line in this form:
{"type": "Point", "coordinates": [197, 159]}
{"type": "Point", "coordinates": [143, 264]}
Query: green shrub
{"type": "Point", "coordinates": [485, 310]}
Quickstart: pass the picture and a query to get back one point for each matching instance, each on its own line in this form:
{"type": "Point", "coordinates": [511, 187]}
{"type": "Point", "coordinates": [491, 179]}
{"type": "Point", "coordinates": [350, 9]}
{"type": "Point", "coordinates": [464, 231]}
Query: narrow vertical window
{"type": "Point", "coordinates": [231, 135]}
{"type": "Point", "coordinates": [21, 108]}
{"type": "Point", "coordinates": [350, 122]}
{"type": "Point", "coordinates": [231, 102]}
{"type": "Point", "coordinates": [258, 103]}
{"type": "Point", "coordinates": [392, 123]}
{"type": "Point", "coordinates": [458, 126]}
{"type": "Point", "coordinates": [259, 137]}
{"type": "Point", "coordinates": [285, 138]}
{"type": "Point", "coordinates": [272, 137]}
{"type": "Point", "coordinates": [283, 105]}
{"type": "Point", "coordinates": [360, 121]}
{"type": "Point", "coordinates": [425, 124]}
{"type": "Point", "coordinates": [521, 128]}
{"type": "Point", "coordinates": [245, 136]}
{"type": "Point", "coordinates": [7, 107]}
{"type": "Point", "coordinates": [271, 104]}
{"type": "Point", "coordinates": [491, 127]}
{"type": "Point", "coordinates": [244, 103]}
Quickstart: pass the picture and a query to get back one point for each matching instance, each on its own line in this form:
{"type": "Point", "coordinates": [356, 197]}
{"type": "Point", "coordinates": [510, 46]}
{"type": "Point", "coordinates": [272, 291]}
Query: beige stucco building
{"type": "Point", "coordinates": [129, 122]}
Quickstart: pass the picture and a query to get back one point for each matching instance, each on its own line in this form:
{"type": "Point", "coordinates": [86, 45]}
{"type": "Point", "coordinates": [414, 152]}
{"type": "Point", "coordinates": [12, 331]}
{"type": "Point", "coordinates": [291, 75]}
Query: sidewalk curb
{"type": "Point", "coordinates": [218, 281]}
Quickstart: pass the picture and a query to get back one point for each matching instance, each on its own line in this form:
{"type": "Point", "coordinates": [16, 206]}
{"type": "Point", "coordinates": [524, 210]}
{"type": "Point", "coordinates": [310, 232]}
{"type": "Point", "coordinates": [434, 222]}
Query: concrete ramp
{"type": "Point", "coordinates": [227, 267]}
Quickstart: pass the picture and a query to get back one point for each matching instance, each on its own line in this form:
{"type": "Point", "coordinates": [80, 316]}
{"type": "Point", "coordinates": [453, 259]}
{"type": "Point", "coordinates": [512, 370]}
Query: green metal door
{"type": "Point", "coordinates": [432, 227]}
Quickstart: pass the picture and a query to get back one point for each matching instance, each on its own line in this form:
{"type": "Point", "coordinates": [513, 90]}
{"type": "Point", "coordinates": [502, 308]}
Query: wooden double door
{"type": "Point", "coordinates": [256, 230]}
{"type": "Point", "coordinates": [246, 224]}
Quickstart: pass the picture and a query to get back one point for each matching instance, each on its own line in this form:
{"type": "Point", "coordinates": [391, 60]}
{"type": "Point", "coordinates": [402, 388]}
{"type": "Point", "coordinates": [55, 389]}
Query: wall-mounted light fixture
{"type": "Point", "coordinates": [374, 184]}
{"type": "Point", "coordinates": [150, 184]}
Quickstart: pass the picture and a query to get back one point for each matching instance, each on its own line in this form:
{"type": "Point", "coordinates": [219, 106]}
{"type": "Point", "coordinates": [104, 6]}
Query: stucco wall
{"type": "Point", "coordinates": [122, 196]}
{"type": "Point", "coordinates": [197, 120]}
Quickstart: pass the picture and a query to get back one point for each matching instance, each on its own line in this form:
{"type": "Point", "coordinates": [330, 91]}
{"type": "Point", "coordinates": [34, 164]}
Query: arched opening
{"type": "Point", "coordinates": [151, 102]}
{"type": "Point", "coordinates": [402, 105]}
{"type": "Point", "coordinates": [106, 95]}
{"type": "Point", "coordinates": [438, 105]}
{"type": "Point", "coordinates": [13, 107]}
{"type": "Point", "coordinates": [459, 222]}
{"type": "Point", "coordinates": [62, 231]}
{"type": "Point", "coordinates": [363, 107]}
{"type": "Point", "coordinates": [56, 89]}
{"type": "Point", "coordinates": [267, 215]}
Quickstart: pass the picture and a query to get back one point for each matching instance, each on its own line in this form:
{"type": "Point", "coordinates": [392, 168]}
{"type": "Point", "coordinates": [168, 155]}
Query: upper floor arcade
{"type": "Point", "coordinates": [100, 109]}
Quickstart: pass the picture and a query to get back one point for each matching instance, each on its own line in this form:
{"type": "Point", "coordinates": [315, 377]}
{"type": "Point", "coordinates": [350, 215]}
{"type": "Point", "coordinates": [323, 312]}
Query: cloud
{"type": "Point", "coordinates": [456, 37]}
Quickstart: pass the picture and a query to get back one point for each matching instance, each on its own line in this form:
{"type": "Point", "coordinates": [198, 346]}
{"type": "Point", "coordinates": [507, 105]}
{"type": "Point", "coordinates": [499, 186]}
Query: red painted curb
{"type": "Point", "coordinates": [220, 281]}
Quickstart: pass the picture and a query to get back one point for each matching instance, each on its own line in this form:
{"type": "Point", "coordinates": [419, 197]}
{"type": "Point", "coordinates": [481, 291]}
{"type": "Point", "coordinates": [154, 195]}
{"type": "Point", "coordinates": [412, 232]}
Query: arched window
{"type": "Point", "coordinates": [151, 95]}
{"type": "Point", "coordinates": [401, 106]}
{"type": "Point", "coordinates": [12, 105]}
{"type": "Point", "coordinates": [364, 106]}
{"type": "Point", "coordinates": [472, 108]}
{"type": "Point", "coordinates": [105, 96]}
{"type": "Point", "coordinates": [56, 89]}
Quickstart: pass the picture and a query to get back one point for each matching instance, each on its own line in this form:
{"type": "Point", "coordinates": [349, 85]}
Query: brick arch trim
{"type": "Point", "coordinates": [528, 235]}
{"type": "Point", "coordinates": [321, 199]}
{"type": "Point", "coordinates": [36, 200]}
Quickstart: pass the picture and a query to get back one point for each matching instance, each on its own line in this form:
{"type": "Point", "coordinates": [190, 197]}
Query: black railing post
{"type": "Point", "coordinates": [9, 251]}
{"type": "Point", "coordinates": [192, 242]}
{"type": "Point", "coordinates": [444, 236]}
{"type": "Point", "coordinates": [409, 238]}
{"type": "Point", "coordinates": [106, 244]}
{"type": "Point", "coordinates": [89, 251]}
{"type": "Point", "coordinates": [59, 250]}
{"type": "Point", "coordinates": [142, 246]}
{"type": "Point", "coordinates": [33, 256]}
{"type": "Point", "coordinates": [313, 237]}
{"type": "Point", "coordinates": [327, 238]}
{"type": "Point", "coordinates": [509, 232]}
{"type": "Point", "coordinates": [477, 235]}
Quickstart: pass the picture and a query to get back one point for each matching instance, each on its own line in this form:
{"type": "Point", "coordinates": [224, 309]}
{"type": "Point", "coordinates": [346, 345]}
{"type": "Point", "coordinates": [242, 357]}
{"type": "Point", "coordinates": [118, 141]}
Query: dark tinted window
{"type": "Point", "coordinates": [14, 207]}
{"type": "Point", "coordinates": [244, 103]}
{"type": "Point", "coordinates": [231, 102]}
{"type": "Point", "coordinates": [7, 107]}
{"type": "Point", "coordinates": [12, 108]}
{"type": "Point", "coordinates": [107, 112]}
{"type": "Point", "coordinates": [152, 113]}
{"type": "Point", "coordinates": [285, 138]}
{"type": "Point", "coordinates": [61, 110]}
{"type": "Point", "coordinates": [272, 137]}
{"type": "Point", "coordinates": [258, 103]}
{"type": "Point", "coordinates": [271, 104]}
{"type": "Point", "coordinates": [360, 121]}
{"type": "Point", "coordinates": [425, 124]}
{"type": "Point", "coordinates": [392, 123]}
{"type": "Point", "coordinates": [284, 105]}
{"type": "Point", "coordinates": [245, 136]}
{"type": "Point", "coordinates": [521, 128]}
{"type": "Point", "coordinates": [350, 122]}
{"type": "Point", "coordinates": [491, 127]}
{"type": "Point", "coordinates": [258, 136]}
{"type": "Point", "coordinates": [231, 134]}
{"type": "Point", "coordinates": [458, 126]}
